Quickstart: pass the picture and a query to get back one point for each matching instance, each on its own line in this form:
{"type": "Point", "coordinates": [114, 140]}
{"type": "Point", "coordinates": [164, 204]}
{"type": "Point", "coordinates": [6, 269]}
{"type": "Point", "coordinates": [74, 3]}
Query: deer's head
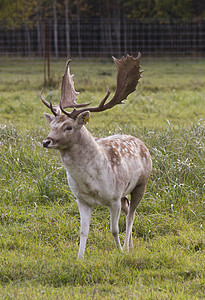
{"type": "Point", "coordinates": [65, 128]}
{"type": "Point", "coordinates": [64, 131]}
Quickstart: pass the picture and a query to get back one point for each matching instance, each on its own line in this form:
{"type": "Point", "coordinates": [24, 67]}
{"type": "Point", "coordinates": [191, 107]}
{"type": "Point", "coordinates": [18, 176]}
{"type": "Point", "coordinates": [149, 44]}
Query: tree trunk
{"type": "Point", "coordinates": [55, 28]}
{"type": "Point", "coordinates": [28, 38]}
{"type": "Point", "coordinates": [109, 28]}
{"type": "Point", "coordinates": [78, 29]}
{"type": "Point", "coordinates": [39, 30]}
{"type": "Point", "coordinates": [39, 37]}
{"type": "Point", "coordinates": [124, 32]}
{"type": "Point", "coordinates": [67, 27]}
{"type": "Point", "coordinates": [117, 27]}
{"type": "Point", "coordinates": [46, 52]}
{"type": "Point", "coordinates": [103, 33]}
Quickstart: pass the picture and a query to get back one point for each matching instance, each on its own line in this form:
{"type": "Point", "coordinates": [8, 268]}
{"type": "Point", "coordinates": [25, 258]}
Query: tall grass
{"type": "Point", "coordinates": [39, 218]}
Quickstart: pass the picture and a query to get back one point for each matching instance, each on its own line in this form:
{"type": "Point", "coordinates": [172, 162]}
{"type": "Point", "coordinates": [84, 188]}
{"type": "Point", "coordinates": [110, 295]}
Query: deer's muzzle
{"type": "Point", "coordinates": [46, 142]}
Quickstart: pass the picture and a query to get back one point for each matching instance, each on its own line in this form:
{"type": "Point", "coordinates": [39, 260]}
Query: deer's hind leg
{"type": "Point", "coordinates": [125, 205]}
{"type": "Point", "coordinates": [136, 196]}
{"type": "Point", "coordinates": [114, 220]}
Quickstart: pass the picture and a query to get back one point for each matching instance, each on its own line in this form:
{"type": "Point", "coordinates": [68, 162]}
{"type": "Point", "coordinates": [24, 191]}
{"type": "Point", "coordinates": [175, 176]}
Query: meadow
{"type": "Point", "coordinates": [39, 219]}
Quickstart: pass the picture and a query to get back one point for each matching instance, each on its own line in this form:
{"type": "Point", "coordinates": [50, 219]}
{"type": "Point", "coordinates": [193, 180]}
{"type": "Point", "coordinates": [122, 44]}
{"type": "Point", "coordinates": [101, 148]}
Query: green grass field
{"type": "Point", "coordinates": [39, 232]}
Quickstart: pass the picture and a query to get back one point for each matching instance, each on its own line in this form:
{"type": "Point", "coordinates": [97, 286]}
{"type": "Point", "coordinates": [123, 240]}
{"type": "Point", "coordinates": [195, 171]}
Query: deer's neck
{"type": "Point", "coordinates": [83, 154]}
{"type": "Point", "coordinates": [89, 172]}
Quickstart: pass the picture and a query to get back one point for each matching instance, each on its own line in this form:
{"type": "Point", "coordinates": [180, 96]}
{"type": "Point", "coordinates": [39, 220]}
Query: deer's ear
{"type": "Point", "coordinates": [83, 118]}
{"type": "Point", "coordinates": [49, 118]}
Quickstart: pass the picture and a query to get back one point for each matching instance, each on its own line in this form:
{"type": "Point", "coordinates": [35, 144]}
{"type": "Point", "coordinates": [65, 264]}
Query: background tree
{"type": "Point", "coordinates": [172, 9]}
{"type": "Point", "coordinates": [55, 27]}
{"type": "Point", "coordinates": [67, 26]}
{"type": "Point", "coordinates": [68, 19]}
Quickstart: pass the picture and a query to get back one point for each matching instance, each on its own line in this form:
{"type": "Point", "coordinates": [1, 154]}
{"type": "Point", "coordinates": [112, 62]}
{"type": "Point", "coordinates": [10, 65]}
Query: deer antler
{"type": "Point", "coordinates": [128, 75]}
{"type": "Point", "coordinates": [54, 108]}
{"type": "Point", "coordinates": [68, 94]}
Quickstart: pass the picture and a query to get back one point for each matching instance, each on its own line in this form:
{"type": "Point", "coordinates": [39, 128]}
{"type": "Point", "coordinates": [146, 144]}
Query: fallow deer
{"type": "Point", "coordinates": [100, 171]}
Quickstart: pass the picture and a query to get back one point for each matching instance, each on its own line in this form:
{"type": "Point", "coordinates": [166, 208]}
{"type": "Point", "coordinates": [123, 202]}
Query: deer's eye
{"type": "Point", "coordinates": [69, 128]}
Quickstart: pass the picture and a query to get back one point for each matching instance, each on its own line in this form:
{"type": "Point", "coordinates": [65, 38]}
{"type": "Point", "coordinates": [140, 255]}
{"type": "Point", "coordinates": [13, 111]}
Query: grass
{"type": "Point", "coordinates": [39, 218]}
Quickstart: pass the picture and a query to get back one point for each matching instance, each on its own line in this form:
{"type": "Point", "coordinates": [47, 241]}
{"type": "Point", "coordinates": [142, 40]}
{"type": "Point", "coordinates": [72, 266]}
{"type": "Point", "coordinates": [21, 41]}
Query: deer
{"type": "Point", "coordinates": [100, 171]}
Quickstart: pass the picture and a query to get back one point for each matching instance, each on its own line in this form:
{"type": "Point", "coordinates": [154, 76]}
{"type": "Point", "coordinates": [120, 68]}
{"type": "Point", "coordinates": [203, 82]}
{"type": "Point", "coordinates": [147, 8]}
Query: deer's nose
{"type": "Point", "coordinates": [46, 143]}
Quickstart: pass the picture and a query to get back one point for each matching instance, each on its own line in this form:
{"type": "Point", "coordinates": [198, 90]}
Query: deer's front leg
{"type": "Point", "coordinates": [114, 220]}
{"type": "Point", "coordinates": [85, 214]}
